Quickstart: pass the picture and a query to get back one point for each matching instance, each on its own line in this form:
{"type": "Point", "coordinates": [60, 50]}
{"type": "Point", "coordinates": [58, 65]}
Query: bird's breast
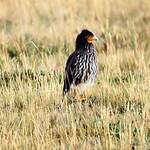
{"type": "Point", "coordinates": [86, 67]}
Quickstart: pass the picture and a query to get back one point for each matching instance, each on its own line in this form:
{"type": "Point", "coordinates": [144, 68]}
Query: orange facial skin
{"type": "Point", "coordinates": [90, 39]}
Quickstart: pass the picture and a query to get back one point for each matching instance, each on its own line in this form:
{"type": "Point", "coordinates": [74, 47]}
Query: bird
{"type": "Point", "coordinates": [81, 66]}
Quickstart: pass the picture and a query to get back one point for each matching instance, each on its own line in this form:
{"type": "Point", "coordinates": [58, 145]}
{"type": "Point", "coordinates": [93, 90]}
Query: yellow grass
{"type": "Point", "coordinates": [36, 37]}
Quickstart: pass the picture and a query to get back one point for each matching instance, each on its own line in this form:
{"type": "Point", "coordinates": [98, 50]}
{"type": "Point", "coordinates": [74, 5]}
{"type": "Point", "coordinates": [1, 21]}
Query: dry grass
{"type": "Point", "coordinates": [36, 38]}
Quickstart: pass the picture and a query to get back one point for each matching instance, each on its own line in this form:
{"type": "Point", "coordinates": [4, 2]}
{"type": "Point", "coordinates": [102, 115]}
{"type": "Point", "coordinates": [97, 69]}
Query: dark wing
{"type": "Point", "coordinates": [68, 72]}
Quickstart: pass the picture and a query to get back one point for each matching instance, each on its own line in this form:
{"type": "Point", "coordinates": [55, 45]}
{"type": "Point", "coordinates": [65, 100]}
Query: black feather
{"type": "Point", "coordinates": [81, 65]}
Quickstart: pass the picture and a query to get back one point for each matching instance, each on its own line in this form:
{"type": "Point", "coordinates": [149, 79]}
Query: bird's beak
{"type": "Point", "coordinates": [95, 38]}
{"type": "Point", "coordinates": [103, 41]}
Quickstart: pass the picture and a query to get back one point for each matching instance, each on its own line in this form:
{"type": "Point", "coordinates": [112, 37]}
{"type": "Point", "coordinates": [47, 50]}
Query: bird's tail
{"type": "Point", "coordinates": [66, 87]}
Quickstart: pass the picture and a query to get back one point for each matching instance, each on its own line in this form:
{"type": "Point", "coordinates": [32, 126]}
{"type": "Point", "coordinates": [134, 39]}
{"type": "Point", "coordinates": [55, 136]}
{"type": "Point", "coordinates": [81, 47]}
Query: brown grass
{"type": "Point", "coordinates": [36, 38]}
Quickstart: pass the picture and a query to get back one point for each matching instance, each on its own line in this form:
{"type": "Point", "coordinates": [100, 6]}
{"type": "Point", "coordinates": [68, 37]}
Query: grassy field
{"type": "Point", "coordinates": [36, 37]}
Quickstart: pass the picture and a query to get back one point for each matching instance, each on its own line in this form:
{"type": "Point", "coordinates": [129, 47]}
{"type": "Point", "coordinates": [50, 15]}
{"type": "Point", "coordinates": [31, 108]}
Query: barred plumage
{"type": "Point", "coordinates": [81, 66]}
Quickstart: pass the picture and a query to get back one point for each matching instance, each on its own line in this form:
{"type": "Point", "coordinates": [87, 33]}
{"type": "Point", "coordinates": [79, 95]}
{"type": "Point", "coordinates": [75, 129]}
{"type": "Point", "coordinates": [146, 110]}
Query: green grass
{"type": "Point", "coordinates": [36, 37]}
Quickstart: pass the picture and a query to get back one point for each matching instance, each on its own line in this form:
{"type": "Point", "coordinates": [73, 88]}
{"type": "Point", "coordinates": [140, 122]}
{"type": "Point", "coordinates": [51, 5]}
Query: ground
{"type": "Point", "coordinates": [36, 37]}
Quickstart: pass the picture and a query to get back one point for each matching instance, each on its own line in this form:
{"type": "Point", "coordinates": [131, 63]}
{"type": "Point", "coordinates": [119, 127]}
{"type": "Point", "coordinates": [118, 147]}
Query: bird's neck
{"type": "Point", "coordinates": [86, 47]}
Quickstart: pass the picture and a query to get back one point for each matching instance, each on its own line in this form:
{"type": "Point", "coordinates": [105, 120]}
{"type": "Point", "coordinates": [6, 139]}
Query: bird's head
{"type": "Point", "coordinates": [87, 37]}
